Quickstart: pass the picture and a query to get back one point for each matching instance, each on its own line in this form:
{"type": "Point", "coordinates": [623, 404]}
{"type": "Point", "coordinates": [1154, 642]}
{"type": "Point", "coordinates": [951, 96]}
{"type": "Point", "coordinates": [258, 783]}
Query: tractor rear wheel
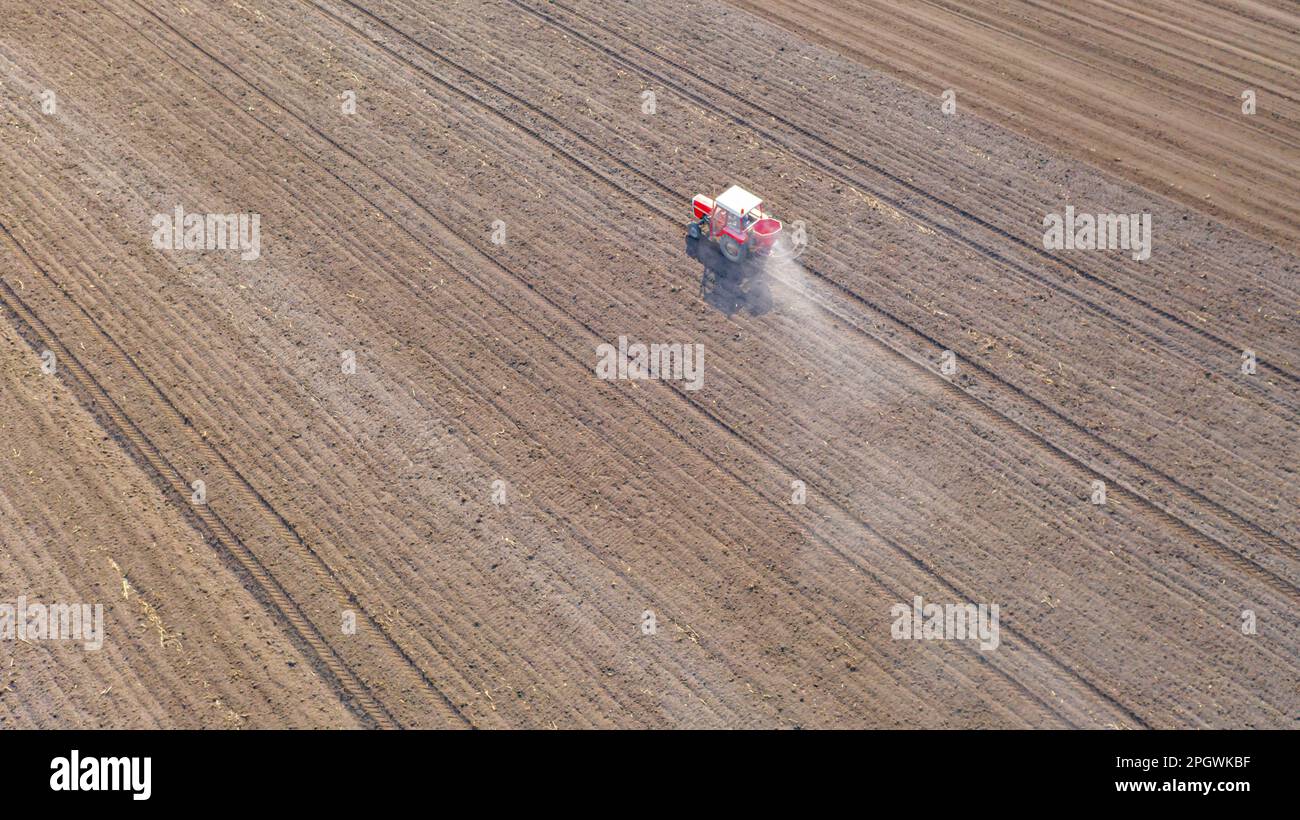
{"type": "Point", "coordinates": [733, 250]}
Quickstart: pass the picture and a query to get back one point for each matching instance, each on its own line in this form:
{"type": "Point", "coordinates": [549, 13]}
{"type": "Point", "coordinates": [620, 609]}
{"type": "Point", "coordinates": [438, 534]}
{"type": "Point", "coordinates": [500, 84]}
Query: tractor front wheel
{"type": "Point", "coordinates": [733, 250]}
{"type": "Point", "coordinates": [693, 230]}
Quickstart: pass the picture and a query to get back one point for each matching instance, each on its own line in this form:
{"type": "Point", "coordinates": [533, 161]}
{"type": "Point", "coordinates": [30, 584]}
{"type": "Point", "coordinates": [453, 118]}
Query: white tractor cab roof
{"type": "Point", "coordinates": [737, 200]}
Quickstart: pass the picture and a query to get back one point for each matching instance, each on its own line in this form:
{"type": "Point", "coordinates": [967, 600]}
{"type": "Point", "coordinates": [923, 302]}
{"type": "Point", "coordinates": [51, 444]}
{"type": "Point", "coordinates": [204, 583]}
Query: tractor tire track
{"type": "Point", "coordinates": [219, 531]}
{"type": "Point", "coordinates": [210, 526]}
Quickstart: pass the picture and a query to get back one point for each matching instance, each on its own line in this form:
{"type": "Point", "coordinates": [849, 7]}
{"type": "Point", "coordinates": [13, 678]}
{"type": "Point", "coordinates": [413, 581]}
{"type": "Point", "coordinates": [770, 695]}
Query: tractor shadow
{"type": "Point", "coordinates": [730, 287]}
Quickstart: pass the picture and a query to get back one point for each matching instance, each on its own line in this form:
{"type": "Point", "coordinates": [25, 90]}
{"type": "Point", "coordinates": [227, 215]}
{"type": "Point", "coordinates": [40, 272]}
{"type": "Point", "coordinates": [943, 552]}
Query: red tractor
{"type": "Point", "coordinates": [735, 220]}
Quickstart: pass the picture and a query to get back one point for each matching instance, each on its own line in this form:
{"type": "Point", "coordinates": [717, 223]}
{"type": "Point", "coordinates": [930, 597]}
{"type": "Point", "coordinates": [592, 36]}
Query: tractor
{"type": "Point", "coordinates": [736, 222]}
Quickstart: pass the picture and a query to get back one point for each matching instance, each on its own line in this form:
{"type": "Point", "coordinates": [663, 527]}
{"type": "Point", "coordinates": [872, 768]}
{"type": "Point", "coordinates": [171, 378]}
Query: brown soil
{"type": "Point", "coordinates": [1150, 92]}
{"type": "Point", "coordinates": [372, 492]}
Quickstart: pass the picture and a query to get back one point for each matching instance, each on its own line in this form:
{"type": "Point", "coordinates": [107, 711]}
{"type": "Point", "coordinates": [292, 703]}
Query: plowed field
{"type": "Point", "coordinates": [420, 505]}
